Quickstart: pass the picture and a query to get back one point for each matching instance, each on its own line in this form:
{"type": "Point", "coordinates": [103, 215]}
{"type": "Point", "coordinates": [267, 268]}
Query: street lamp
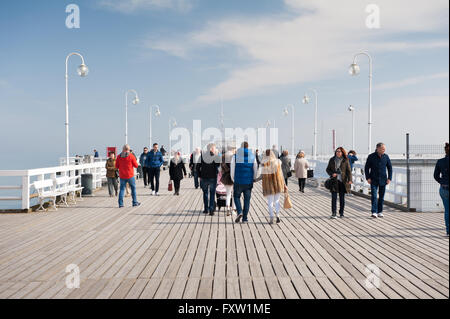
{"type": "Point", "coordinates": [286, 113]}
{"type": "Point", "coordinates": [352, 109]}
{"type": "Point", "coordinates": [354, 70]}
{"type": "Point", "coordinates": [135, 102]}
{"type": "Point", "coordinates": [172, 124]}
{"type": "Point", "coordinates": [82, 71]}
{"type": "Point", "coordinates": [306, 100]}
{"type": "Point", "coordinates": [157, 113]}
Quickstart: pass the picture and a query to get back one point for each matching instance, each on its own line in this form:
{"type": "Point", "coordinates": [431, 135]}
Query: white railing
{"type": "Point", "coordinates": [396, 191]}
{"type": "Point", "coordinates": [27, 178]}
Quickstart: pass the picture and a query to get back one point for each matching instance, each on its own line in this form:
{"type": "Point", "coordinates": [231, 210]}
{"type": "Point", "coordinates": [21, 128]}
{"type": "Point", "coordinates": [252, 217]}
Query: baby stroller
{"type": "Point", "coordinates": [221, 194]}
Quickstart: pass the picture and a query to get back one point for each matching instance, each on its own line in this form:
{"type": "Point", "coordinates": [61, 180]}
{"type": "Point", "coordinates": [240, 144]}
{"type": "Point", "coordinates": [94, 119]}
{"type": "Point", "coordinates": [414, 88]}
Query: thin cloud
{"type": "Point", "coordinates": [316, 43]}
{"type": "Point", "coordinates": [130, 6]}
{"type": "Point", "coordinates": [411, 81]}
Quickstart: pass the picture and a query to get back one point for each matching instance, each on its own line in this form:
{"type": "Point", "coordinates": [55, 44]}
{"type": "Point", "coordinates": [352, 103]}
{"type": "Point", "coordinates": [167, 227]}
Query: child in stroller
{"type": "Point", "coordinates": [221, 195]}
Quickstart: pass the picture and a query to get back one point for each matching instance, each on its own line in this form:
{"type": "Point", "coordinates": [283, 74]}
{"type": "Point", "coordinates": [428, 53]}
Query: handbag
{"type": "Point", "coordinates": [289, 174]}
{"type": "Point", "coordinates": [170, 187]}
{"type": "Point", "coordinates": [287, 201]}
{"type": "Point", "coordinates": [310, 173]}
{"type": "Point", "coordinates": [328, 184]}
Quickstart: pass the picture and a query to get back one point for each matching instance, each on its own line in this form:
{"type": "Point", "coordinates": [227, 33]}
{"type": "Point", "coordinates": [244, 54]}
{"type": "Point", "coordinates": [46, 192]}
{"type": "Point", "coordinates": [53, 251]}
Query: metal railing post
{"type": "Point", "coordinates": [408, 176]}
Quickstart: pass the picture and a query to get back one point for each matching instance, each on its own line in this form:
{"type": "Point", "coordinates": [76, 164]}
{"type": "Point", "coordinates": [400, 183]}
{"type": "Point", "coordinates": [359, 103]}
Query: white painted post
{"type": "Point", "coordinates": [26, 191]}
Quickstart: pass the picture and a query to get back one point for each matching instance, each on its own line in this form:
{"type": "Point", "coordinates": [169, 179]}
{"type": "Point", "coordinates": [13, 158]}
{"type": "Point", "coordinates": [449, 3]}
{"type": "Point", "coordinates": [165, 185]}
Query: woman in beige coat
{"type": "Point", "coordinates": [272, 183]}
{"type": "Point", "coordinates": [301, 170]}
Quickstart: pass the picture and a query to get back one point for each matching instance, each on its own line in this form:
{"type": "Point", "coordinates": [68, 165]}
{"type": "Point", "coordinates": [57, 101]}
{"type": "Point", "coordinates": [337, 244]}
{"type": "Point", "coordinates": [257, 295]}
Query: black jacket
{"type": "Point", "coordinates": [176, 170]}
{"type": "Point", "coordinates": [208, 167]}
{"type": "Point", "coordinates": [375, 169]}
{"type": "Point", "coordinates": [441, 171]}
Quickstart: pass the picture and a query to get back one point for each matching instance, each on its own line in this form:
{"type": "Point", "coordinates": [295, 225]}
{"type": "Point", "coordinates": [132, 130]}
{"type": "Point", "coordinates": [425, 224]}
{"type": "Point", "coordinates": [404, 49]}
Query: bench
{"type": "Point", "coordinates": [45, 190]}
{"type": "Point", "coordinates": [64, 187]}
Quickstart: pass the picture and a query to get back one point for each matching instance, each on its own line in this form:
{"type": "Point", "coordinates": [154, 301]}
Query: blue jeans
{"type": "Point", "coordinates": [377, 205]}
{"type": "Point", "coordinates": [237, 191]}
{"type": "Point", "coordinates": [196, 184]}
{"type": "Point", "coordinates": [444, 195]}
{"type": "Point", "coordinates": [123, 184]}
{"type": "Point", "coordinates": [208, 186]}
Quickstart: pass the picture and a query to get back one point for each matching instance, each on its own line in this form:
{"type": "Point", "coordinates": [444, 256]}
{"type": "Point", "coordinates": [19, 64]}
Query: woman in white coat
{"type": "Point", "coordinates": [301, 170]}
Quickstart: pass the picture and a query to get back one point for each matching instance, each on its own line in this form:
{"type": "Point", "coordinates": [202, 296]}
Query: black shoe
{"type": "Point", "coordinates": [238, 219]}
{"type": "Point", "coordinates": [211, 213]}
{"type": "Point", "coordinates": [278, 220]}
{"type": "Point", "coordinates": [205, 212]}
{"type": "Point", "coordinates": [137, 204]}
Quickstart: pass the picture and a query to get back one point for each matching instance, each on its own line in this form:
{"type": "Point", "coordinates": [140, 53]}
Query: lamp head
{"type": "Point", "coordinates": [306, 99]}
{"type": "Point", "coordinates": [136, 100]}
{"type": "Point", "coordinates": [354, 69]}
{"type": "Point", "coordinates": [351, 108]}
{"type": "Point", "coordinates": [157, 111]}
{"type": "Point", "coordinates": [285, 111]}
{"type": "Point", "coordinates": [83, 70]}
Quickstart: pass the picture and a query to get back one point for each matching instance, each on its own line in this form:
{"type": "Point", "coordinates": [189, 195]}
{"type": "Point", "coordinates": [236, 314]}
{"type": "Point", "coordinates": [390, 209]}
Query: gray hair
{"type": "Point", "coordinates": [126, 148]}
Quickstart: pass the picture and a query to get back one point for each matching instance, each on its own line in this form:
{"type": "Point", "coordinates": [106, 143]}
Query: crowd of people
{"type": "Point", "coordinates": [236, 171]}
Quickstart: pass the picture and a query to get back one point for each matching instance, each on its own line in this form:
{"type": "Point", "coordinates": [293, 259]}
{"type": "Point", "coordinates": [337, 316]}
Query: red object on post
{"type": "Point", "coordinates": [111, 149]}
{"type": "Point", "coordinates": [170, 188]}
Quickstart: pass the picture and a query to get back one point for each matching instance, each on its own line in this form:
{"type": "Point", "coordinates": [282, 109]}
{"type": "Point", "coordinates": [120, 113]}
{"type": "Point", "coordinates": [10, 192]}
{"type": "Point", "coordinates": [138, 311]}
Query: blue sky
{"type": "Point", "coordinates": [186, 55]}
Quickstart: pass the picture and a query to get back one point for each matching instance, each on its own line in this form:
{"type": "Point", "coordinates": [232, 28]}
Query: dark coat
{"type": "Point", "coordinates": [176, 170]}
{"type": "Point", "coordinates": [285, 165]}
{"type": "Point", "coordinates": [375, 169]}
{"type": "Point", "coordinates": [346, 174]}
{"type": "Point", "coordinates": [208, 168]}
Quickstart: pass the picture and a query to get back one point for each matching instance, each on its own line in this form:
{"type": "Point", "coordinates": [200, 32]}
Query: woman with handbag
{"type": "Point", "coordinates": [286, 166]}
{"type": "Point", "coordinates": [340, 180]}
{"type": "Point", "coordinates": [272, 183]}
{"type": "Point", "coordinates": [176, 171]}
{"type": "Point", "coordinates": [301, 170]}
{"type": "Point", "coordinates": [112, 174]}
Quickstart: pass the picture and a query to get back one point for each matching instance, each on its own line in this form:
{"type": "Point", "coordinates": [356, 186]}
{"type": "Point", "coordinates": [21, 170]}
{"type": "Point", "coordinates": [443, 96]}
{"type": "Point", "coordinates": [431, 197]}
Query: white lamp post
{"type": "Point", "coordinates": [157, 113]}
{"type": "Point", "coordinates": [352, 109]}
{"type": "Point", "coordinates": [135, 102]}
{"type": "Point", "coordinates": [286, 113]}
{"type": "Point", "coordinates": [306, 100]}
{"type": "Point", "coordinates": [83, 72]}
{"type": "Point", "coordinates": [172, 123]}
{"type": "Point", "coordinates": [354, 71]}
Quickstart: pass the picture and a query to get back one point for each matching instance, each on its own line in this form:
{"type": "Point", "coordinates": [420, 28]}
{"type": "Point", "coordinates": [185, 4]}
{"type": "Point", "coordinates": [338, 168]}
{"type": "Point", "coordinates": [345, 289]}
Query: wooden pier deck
{"type": "Point", "coordinates": [167, 248]}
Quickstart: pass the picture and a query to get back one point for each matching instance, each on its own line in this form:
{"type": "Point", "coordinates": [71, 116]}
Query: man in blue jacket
{"type": "Point", "coordinates": [143, 163]}
{"type": "Point", "coordinates": [244, 170]}
{"type": "Point", "coordinates": [154, 162]}
{"type": "Point", "coordinates": [376, 176]}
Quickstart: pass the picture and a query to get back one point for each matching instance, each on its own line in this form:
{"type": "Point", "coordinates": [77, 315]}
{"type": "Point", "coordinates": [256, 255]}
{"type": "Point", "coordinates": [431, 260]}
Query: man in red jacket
{"type": "Point", "coordinates": [126, 162]}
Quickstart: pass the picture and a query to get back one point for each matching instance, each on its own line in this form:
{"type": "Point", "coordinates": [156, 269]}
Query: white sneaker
{"type": "Point", "coordinates": [380, 215]}
{"type": "Point", "coordinates": [156, 194]}
{"type": "Point", "coordinates": [153, 193]}
{"type": "Point", "coordinates": [374, 215]}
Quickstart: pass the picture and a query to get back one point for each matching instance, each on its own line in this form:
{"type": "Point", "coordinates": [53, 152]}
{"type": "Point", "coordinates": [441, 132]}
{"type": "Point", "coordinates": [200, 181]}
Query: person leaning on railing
{"type": "Point", "coordinates": [441, 176]}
